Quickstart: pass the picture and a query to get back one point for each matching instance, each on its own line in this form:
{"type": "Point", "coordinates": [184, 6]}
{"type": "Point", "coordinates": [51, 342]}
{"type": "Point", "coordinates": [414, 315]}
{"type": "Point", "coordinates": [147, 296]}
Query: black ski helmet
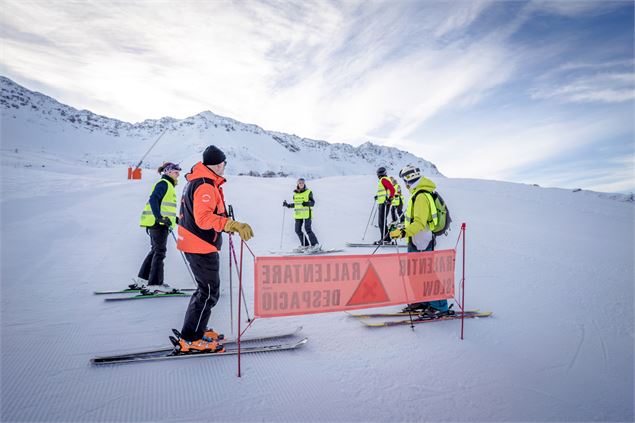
{"type": "Point", "coordinates": [381, 171]}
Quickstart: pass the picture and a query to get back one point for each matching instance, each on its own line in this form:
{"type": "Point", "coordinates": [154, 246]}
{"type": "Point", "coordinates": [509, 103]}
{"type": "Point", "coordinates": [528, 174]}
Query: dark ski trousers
{"type": "Point", "coordinates": [383, 210]}
{"type": "Point", "coordinates": [441, 305]}
{"type": "Point", "coordinates": [309, 238]}
{"type": "Point", "coordinates": [152, 266]}
{"type": "Point", "coordinates": [205, 268]}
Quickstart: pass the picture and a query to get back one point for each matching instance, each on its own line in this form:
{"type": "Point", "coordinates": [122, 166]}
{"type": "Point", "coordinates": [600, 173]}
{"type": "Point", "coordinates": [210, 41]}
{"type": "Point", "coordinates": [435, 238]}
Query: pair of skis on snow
{"type": "Point", "coordinates": [370, 319]}
{"type": "Point", "coordinates": [249, 345]}
{"type": "Point", "coordinates": [306, 253]}
{"type": "Point", "coordinates": [144, 293]}
{"type": "Point", "coordinates": [277, 342]}
{"type": "Point", "coordinates": [334, 250]}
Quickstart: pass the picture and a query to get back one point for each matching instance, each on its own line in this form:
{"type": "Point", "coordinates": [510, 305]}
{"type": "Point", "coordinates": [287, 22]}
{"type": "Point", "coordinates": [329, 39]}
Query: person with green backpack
{"type": "Point", "coordinates": [426, 217]}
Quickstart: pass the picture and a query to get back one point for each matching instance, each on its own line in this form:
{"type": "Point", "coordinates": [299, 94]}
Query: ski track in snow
{"type": "Point", "coordinates": [574, 358]}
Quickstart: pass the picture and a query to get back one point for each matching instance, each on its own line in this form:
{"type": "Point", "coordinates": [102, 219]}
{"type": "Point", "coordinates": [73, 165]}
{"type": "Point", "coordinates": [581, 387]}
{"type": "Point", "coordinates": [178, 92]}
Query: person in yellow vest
{"type": "Point", "coordinates": [158, 218]}
{"type": "Point", "coordinates": [396, 209]}
{"type": "Point", "coordinates": [384, 198]}
{"type": "Point", "coordinates": [303, 201]}
{"type": "Point", "coordinates": [419, 213]}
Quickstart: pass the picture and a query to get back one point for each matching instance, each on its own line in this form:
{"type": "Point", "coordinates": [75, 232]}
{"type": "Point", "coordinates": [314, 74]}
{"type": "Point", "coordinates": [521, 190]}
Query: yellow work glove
{"type": "Point", "coordinates": [243, 229]}
{"type": "Point", "coordinates": [397, 233]}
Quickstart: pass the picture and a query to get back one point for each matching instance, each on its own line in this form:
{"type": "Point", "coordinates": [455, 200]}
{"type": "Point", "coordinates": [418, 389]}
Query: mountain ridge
{"type": "Point", "coordinates": [35, 120]}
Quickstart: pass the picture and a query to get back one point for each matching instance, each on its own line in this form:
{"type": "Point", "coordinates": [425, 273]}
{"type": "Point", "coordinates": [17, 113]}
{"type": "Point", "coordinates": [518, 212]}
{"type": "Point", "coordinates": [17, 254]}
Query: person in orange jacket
{"type": "Point", "coordinates": [202, 220]}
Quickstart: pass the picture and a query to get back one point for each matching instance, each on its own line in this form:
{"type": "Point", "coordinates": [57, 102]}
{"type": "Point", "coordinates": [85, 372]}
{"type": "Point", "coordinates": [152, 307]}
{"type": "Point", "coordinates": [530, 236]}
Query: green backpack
{"type": "Point", "coordinates": [442, 226]}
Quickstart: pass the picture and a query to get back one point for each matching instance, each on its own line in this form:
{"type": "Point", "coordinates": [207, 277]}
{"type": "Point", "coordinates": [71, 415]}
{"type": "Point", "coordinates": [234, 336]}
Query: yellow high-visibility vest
{"type": "Point", "coordinates": [301, 212]}
{"type": "Point", "coordinates": [168, 206]}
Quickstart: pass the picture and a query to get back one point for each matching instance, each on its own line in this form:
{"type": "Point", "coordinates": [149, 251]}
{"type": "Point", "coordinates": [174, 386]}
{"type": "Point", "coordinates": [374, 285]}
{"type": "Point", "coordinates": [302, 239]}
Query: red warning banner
{"type": "Point", "coordinates": [286, 286]}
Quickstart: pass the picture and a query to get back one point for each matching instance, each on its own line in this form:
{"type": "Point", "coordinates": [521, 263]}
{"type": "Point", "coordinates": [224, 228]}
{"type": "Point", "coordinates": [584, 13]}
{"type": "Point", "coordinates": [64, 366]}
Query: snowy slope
{"type": "Point", "coordinates": [35, 122]}
{"type": "Point", "coordinates": [556, 267]}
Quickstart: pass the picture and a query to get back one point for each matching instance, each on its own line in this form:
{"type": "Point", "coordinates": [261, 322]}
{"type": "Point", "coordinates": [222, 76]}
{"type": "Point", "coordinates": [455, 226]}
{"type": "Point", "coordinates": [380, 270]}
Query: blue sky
{"type": "Point", "coordinates": [526, 91]}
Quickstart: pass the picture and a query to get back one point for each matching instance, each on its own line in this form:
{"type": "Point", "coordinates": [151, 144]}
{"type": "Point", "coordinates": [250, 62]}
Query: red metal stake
{"type": "Point", "coordinates": [240, 290]}
{"type": "Point", "coordinates": [463, 282]}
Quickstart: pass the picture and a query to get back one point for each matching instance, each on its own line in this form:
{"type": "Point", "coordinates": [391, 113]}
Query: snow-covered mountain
{"type": "Point", "coordinates": [34, 121]}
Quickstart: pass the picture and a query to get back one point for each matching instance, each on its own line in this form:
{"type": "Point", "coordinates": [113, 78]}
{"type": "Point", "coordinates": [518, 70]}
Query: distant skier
{"type": "Point", "coordinates": [202, 219]}
{"type": "Point", "coordinates": [384, 197]}
{"type": "Point", "coordinates": [417, 230]}
{"type": "Point", "coordinates": [158, 218]}
{"type": "Point", "coordinates": [303, 201]}
{"type": "Point", "coordinates": [396, 206]}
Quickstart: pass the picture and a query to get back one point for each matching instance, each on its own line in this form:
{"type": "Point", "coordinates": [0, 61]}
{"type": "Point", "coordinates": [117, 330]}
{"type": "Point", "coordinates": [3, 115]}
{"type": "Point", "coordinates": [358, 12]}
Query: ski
{"type": "Point", "coordinates": [167, 349]}
{"type": "Point", "coordinates": [371, 245]}
{"type": "Point", "coordinates": [306, 253]}
{"type": "Point", "coordinates": [417, 320]}
{"type": "Point", "coordinates": [137, 290]}
{"type": "Point", "coordinates": [228, 351]}
{"type": "Point", "coordinates": [147, 296]}
{"type": "Point", "coordinates": [396, 314]}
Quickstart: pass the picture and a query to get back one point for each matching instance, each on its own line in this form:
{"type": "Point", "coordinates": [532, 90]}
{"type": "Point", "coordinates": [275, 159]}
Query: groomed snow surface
{"type": "Point", "coordinates": [555, 267]}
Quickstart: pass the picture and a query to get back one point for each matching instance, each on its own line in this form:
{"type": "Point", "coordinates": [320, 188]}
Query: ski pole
{"type": "Point", "coordinates": [241, 293]}
{"type": "Point", "coordinates": [187, 266]}
{"type": "Point", "coordinates": [372, 212]}
{"type": "Point", "coordinates": [284, 212]}
{"type": "Point", "coordinates": [238, 269]}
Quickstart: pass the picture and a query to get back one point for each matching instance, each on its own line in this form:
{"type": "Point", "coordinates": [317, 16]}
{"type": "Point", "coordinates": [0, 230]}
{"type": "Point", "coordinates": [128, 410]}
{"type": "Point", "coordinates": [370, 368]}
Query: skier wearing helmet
{"type": "Point", "coordinates": [417, 230]}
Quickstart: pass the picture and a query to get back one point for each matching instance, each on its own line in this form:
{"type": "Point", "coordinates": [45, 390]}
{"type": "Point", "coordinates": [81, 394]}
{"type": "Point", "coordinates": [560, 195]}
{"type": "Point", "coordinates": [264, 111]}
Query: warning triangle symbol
{"type": "Point", "coordinates": [370, 289]}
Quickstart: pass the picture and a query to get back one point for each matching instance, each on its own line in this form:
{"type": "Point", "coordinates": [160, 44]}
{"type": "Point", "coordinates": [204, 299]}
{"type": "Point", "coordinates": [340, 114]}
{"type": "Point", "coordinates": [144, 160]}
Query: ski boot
{"type": "Point", "coordinates": [314, 249]}
{"type": "Point", "coordinates": [211, 335]}
{"type": "Point", "coordinates": [200, 346]}
{"type": "Point", "coordinates": [415, 308]}
{"type": "Point", "coordinates": [137, 284]}
{"type": "Point", "coordinates": [433, 313]}
{"type": "Point", "coordinates": [162, 288]}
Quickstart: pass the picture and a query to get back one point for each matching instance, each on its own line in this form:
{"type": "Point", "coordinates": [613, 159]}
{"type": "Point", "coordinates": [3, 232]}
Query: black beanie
{"type": "Point", "coordinates": [213, 156]}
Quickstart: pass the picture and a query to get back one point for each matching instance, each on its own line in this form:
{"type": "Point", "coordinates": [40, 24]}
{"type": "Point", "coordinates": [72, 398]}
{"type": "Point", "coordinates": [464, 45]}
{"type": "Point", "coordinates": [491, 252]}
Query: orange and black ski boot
{"type": "Point", "coordinates": [211, 335]}
{"type": "Point", "coordinates": [200, 346]}
{"type": "Point", "coordinates": [204, 345]}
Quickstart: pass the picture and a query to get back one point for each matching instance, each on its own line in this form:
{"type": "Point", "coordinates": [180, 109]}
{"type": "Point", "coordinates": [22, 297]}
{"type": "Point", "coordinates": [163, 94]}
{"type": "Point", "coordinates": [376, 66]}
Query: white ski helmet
{"type": "Point", "coordinates": [410, 174]}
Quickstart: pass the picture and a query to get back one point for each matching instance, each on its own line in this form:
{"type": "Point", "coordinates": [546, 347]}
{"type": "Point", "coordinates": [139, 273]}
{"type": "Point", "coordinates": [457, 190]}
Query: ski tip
{"type": "Point", "coordinates": [302, 342]}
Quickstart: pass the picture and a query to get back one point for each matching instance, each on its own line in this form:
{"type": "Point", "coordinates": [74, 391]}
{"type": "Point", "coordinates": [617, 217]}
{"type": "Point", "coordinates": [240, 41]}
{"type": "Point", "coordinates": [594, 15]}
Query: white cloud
{"type": "Point", "coordinates": [341, 71]}
{"type": "Point", "coordinates": [573, 8]}
{"type": "Point", "coordinates": [462, 17]}
{"type": "Point", "coordinates": [318, 69]}
{"type": "Point", "coordinates": [605, 86]}
{"type": "Point", "coordinates": [502, 144]}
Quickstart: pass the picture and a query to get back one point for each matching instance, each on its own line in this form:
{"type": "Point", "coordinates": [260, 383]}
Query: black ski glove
{"type": "Point", "coordinates": [164, 221]}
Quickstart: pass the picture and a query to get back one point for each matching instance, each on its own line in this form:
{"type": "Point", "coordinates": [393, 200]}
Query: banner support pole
{"type": "Point", "coordinates": [463, 226]}
{"type": "Point", "coordinates": [240, 290]}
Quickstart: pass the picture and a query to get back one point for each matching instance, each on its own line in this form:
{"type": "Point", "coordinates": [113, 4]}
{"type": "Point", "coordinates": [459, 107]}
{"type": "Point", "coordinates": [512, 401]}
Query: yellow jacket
{"type": "Point", "coordinates": [417, 218]}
